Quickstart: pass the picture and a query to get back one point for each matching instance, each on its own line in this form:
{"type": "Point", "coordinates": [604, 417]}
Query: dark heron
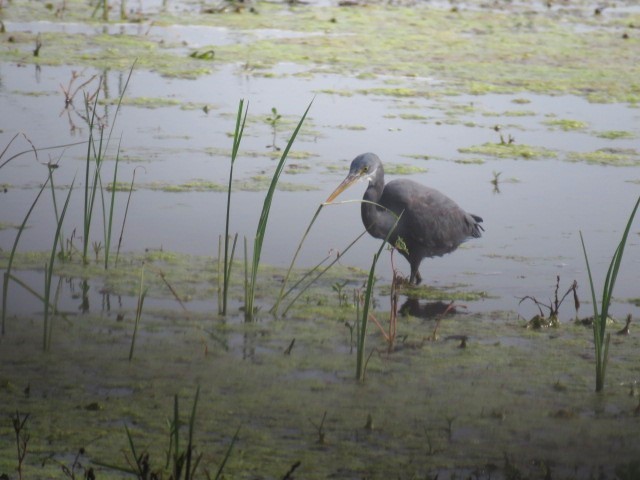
{"type": "Point", "coordinates": [431, 224]}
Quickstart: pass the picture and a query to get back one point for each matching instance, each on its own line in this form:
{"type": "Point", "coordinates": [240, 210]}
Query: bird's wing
{"type": "Point", "coordinates": [431, 219]}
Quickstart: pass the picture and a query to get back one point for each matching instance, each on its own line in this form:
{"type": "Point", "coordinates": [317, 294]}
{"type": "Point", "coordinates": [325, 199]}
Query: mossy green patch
{"type": "Point", "coordinates": [471, 51]}
{"type": "Point", "coordinates": [402, 169]}
{"type": "Point", "coordinates": [146, 102]}
{"type": "Point", "coordinates": [257, 183]}
{"type": "Point", "coordinates": [615, 134]}
{"type": "Point", "coordinates": [566, 124]}
{"type": "Point", "coordinates": [444, 293]}
{"type": "Point", "coordinates": [611, 157]}
{"type": "Point", "coordinates": [509, 150]}
{"type": "Point", "coordinates": [84, 389]}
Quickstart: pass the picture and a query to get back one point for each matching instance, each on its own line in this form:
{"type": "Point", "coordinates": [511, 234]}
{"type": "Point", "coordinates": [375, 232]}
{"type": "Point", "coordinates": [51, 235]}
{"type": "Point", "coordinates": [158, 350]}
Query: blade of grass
{"type": "Point", "coordinates": [227, 455]}
{"type": "Point", "coordinates": [192, 419]}
{"type": "Point", "coordinates": [281, 295]}
{"type": "Point", "coordinates": [241, 120]}
{"type": "Point", "coordinates": [46, 342]}
{"type": "Point", "coordinates": [126, 212]}
{"type": "Point", "coordinates": [264, 218]}
{"type": "Point", "coordinates": [109, 217]}
{"type": "Point", "coordinates": [362, 333]}
{"type": "Point", "coordinates": [320, 274]}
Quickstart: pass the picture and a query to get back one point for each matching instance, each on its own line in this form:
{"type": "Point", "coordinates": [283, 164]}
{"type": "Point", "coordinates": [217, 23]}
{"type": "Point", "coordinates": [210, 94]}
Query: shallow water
{"type": "Point", "coordinates": [532, 223]}
{"type": "Point", "coordinates": [437, 408]}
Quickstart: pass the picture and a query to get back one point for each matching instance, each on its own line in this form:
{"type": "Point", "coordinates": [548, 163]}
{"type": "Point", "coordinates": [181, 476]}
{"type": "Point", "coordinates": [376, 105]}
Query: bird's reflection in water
{"type": "Point", "coordinates": [426, 309]}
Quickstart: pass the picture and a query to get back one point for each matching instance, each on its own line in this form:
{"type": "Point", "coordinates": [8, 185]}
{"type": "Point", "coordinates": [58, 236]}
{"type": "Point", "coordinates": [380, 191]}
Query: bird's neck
{"type": "Point", "coordinates": [375, 218]}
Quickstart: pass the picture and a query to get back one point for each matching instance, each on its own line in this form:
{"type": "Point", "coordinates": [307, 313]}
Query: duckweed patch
{"type": "Point", "coordinates": [509, 150]}
{"type": "Point", "coordinates": [449, 293]}
{"type": "Point", "coordinates": [84, 390]}
{"type": "Point", "coordinates": [402, 169]}
{"type": "Point", "coordinates": [615, 134]}
{"type": "Point", "coordinates": [566, 124]}
{"type": "Point", "coordinates": [611, 157]}
{"type": "Point", "coordinates": [537, 53]}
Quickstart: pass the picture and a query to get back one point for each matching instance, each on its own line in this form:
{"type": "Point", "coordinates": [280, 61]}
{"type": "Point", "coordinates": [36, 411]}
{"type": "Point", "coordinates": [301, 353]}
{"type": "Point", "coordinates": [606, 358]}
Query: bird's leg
{"type": "Point", "coordinates": [415, 278]}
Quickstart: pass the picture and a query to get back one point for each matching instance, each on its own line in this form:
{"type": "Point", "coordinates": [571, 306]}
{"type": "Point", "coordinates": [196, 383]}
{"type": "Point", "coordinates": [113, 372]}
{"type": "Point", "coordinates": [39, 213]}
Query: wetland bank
{"type": "Point", "coordinates": [525, 111]}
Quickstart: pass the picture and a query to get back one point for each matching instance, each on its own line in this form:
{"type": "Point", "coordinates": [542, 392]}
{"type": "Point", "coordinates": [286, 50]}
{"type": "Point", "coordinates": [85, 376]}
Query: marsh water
{"type": "Point", "coordinates": [541, 160]}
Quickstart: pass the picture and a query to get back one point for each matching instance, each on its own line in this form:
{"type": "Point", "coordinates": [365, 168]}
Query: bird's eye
{"type": "Point", "coordinates": [365, 169]}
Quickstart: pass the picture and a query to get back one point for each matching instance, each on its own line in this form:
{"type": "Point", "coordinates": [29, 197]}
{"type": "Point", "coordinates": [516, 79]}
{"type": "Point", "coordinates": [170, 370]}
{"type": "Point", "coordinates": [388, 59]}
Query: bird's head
{"type": "Point", "coordinates": [363, 167]}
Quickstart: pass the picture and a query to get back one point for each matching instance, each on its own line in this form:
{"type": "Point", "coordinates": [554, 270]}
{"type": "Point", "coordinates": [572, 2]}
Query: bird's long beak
{"type": "Point", "coordinates": [346, 183]}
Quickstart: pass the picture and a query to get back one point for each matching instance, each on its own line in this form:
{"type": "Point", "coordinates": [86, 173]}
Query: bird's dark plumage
{"type": "Point", "coordinates": [430, 224]}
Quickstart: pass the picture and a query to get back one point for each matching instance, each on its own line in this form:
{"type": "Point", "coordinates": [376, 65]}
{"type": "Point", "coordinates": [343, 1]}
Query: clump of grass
{"type": "Point", "coordinates": [180, 463]}
{"type": "Point", "coordinates": [600, 337]}
{"type": "Point", "coordinates": [96, 152]}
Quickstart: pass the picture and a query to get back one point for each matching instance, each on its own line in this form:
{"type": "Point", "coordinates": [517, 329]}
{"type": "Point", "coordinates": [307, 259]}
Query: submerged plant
{"type": "Point", "coordinates": [600, 337]}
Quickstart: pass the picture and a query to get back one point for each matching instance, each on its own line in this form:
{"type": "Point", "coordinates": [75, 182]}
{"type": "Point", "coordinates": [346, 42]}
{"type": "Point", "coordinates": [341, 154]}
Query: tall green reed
{"type": "Point", "coordinates": [262, 223]}
{"type": "Point", "coordinates": [223, 292]}
{"type": "Point", "coordinates": [95, 156]}
{"type": "Point", "coordinates": [600, 337]}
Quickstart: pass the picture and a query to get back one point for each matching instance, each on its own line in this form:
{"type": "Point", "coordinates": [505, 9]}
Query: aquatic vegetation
{"type": "Point", "coordinates": [566, 124]}
{"type": "Point", "coordinates": [615, 134]}
{"type": "Point", "coordinates": [224, 278]}
{"type": "Point", "coordinates": [251, 282]}
{"type": "Point", "coordinates": [600, 316]}
{"type": "Point", "coordinates": [402, 169]}
{"type": "Point", "coordinates": [612, 157]}
{"type": "Point", "coordinates": [551, 319]}
{"type": "Point", "coordinates": [142, 293]}
{"type": "Point", "coordinates": [95, 156]}
{"type": "Point", "coordinates": [509, 150]}
{"type": "Point", "coordinates": [179, 463]}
